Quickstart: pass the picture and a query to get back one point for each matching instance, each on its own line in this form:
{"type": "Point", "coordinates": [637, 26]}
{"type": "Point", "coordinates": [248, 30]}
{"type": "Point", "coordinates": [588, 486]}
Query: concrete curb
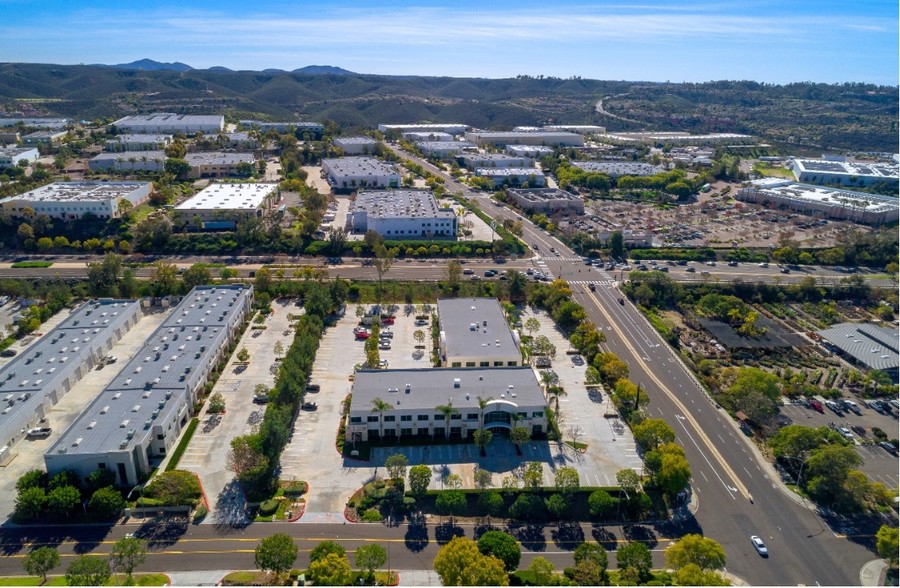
{"type": "Point", "coordinates": [872, 573]}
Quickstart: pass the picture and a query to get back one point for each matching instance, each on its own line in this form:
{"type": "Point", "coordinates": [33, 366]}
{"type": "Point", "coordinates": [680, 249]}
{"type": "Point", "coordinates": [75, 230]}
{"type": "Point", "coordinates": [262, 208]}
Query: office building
{"type": "Point", "coordinates": [444, 149]}
{"type": "Point", "coordinates": [531, 151]}
{"type": "Point", "coordinates": [34, 123]}
{"type": "Point", "coordinates": [449, 128]}
{"type": "Point", "coordinates": [836, 203]}
{"type": "Point", "coordinates": [676, 138]}
{"type": "Point", "coordinates": [423, 136]}
{"type": "Point", "coordinates": [617, 169]}
{"type": "Point", "coordinates": [845, 173]}
{"type": "Point", "coordinates": [36, 379]}
{"type": "Point", "coordinates": [136, 420]}
{"type": "Point", "coordinates": [222, 206]}
{"type": "Point", "coordinates": [284, 126]}
{"type": "Point", "coordinates": [402, 214]}
{"type": "Point", "coordinates": [514, 399]}
{"type": "Point", "coordinates": [218, 164]}
{"type": "Point", "coordinates": [241, 140]}
{"type": "Point", "coordinates": [167, 123]}
{"type": "Point", "coordinates": [513, 176]}
{"type": "Point", "coordinates": [871, 346]}
{"type": "Point", "coordinates": [128, 161]}
{"type": "Point", "coordinates": [554, 138]}
{"type": "Point", "coordinates": [49, 138]}
{"type": "Point", "coordinates": [474, 161]}
{"type": "Point", "coordinates": [350, 173]}
{"type": "Point", "coordinates": [356, 145]}
{"type": "Point", "coordinates": [11, 156]}
{"type": "Point", "coordinates": [474, 333]}
{"type": "Point", "coordinates": [73, 200]}
{"type": "Point", "coordinates": [546, 200]}
{"type": "Point", "coordinates": [138, 142]}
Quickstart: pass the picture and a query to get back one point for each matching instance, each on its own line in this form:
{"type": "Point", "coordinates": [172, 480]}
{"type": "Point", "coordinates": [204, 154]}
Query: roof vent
{"type": "Point", "coordinates": [92, 424]}
{"type": "Point", "coordinates": [123, 444]}
{"type": "Point", "coordinates": [104, 410]}
{"type": "Point", "coordinates": [77, 441]}
{"type": "Point", "coordinates": [130, 434]}
{"type": "Point", "coordinates": [124, 424]}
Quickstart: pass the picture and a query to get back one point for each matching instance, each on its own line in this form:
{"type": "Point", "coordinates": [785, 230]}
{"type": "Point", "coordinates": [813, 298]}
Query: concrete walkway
{"type": "Point", "coordinates": [419, 578]}
{"type": "Point", "coordinates": [201, 578]}
{"type": "Point", "coordinates": [872, 573]}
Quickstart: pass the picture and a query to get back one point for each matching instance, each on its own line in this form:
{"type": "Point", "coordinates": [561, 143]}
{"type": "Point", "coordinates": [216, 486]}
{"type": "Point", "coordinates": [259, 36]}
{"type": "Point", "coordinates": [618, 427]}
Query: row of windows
{"type": "Point", "coordinates": [535, 430]}
{"type": "Point", "coordinates": [405, 418]}
{"type": "Point", "coordinates": [457, 364]}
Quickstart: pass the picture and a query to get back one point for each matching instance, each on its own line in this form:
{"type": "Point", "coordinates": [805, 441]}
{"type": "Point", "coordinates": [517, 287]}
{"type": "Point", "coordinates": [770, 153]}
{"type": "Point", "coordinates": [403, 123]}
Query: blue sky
{"type": "Point", "coordinates": [776, 41]}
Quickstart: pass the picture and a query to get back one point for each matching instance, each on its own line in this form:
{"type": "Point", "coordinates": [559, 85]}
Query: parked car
{"type": "Point", "coordinates": [362, 335]}
{"type": "Point", "coordinates": [8, 353]}
{"type": "Point", "coordinates": [421, 322]}
{"type": "Point", "coordinates": [38, 432]}
{"type": "Point", "coordinates": [310, 406]}
{"type": "Point", "coordinates": [852, 406]}
{"type": "Point", "coordinates": [759, 546]}
{"type": "Point", "coordinates": [388, 320]}
{"type": "Point", "coordinates": [261, 398]}
{"type": "Point", "coordinates": [313, 388]}
{"type": "Point", "coordinates": [817, 406]}
{"type": "Point", "coordinates": [384, 345]}
{"type": "Point", "coordinates": [889, 447]}
{"type": "Point", "coordinates": [386, 334]}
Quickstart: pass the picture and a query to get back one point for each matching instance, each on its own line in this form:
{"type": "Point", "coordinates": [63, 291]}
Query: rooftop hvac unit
{"type": "Point", "coordinates": [124, 424]}
{"type": "Point", "coordinates": [104, 410]}
{"type": "Point", "coordinates": [130, 434]}
{"type": "Point", "coordinates": [147, 424]}
{"type": "Point", "coordinates": [123, 444]}
{"type": "Point", "coordinates": [77, 441]}
{"type": "Point", "coordinates": [92, 424]}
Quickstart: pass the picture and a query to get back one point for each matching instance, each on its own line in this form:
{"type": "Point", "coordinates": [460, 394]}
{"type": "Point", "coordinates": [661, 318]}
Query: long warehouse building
{"type": "Point", "coordinates": [133, 423]}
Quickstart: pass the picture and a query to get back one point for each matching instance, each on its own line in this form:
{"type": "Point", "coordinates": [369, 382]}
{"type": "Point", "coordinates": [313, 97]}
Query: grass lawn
{"type": "Point", "coordinates": [27, 264]}
{"type": "Point", "coordinates": [139, 580]}
{"type": "Point", "coordinates": [776, 172]}
{"type": "Point", "coordinates": [246, 579]}
{"type": "Point", "coordinates": [141, 212]}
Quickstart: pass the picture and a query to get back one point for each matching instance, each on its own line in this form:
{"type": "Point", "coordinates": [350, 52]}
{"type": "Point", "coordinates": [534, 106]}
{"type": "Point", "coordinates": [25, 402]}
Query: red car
{"type": "Point", "coordinates": [816, 405]}
{"type": "Point", "coordinates": [362, 335]}
{"type": "Point", "coordinates": [387, 320]}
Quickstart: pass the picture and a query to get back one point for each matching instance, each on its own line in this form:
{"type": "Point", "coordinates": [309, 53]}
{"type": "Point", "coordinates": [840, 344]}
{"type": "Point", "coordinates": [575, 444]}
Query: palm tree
{"type": "Point", "coordinates": [556, 392]}
{"type": "Point", "coordinates": [448, 411]}
{"type": "Point", "coordinates": [482, 404]}
{"type": "Point", "coordinates": [379, 406]}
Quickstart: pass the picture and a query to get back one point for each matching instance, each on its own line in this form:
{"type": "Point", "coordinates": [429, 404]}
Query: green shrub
{"type": "Point", "coordinates": [268, 507]}
{"type": "Point", "coordinates": [182, 445]}
{"type": "Point", "coordinates": [372, 516]}
{"type": "Point", "coordinates": [295, 489]}
{"type": "Point", "coordinates": [200, 512]}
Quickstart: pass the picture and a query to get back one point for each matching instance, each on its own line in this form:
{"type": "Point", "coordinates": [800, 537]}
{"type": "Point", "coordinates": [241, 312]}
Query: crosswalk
{"type": "Point", "coordinates": [595, 282]}
{"type": "Point", "coordinates": [561, 258]}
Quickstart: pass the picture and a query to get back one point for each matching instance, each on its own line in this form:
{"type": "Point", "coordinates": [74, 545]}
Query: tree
{"type": "Point", "coordinates": [617, 245]}
{"type": "Point", "coordinates": [519, 436]}
{"type": "Point", "coordinates": [502, 546]}
{"type": "Point", "coordinates": [216, 403]}
{"type": "Point", "coordinates": [396, 465]}
{"type": "Point", "coordinates": [246, 457]}
{"type": "Point", "coordinates": [532, 325]}
{"type": "Point", "coordinates": [276, 553]}
{"type": "Point", "coordinates": [384, 259]}
{"type": "Point", "coordinates": [601, 503]}
{"type": "Point", "coordinates": [695, 549]}
{"type": "Point", "coordinates": [483, 478]}
{"type": "Point", "coordinates": [557, 506]}
{"type": "Point", "coordinates": [164, 278]}
{"type": "Point", "coordinates": [533, 475]}
{"type": "Point", "coordinates": [634, 561]}
{"type": "Point", "coordinates": [379, 405]}
{"type": "Point", "coordinates": [368, 558]}
{"type": "Point", "coordinates": [106, 502]}
{"type": "Point", "coordinates": [87, 570]}
{"type": "Point", "coordinates": [25, 232]}
{"type": "Point", "coordinates": [62, 500]}
{"type": "Point", "coordinates": [448, 411]}
{"type": "Point", "coordinates": [886, 544]}
{"type": "Point", "coordinates": [32, 479]}
{"type": "Point", "coordinates": [40, 561]}
{"type": "Point", "coordinates": [331, 570]}
{"type": "Point", "coordinates": [490, 504]}
{"type": "Point", "coordinates": [454, 273]}
{"type": "Point", "coordinates": [450, 502]}
{"type": "Point", "coordinates": [419, 478]}
{"type": "Point", "coordinates": [243, 356]}
{"type": "Point", "coordinates": [482, 438]}
{"type": "Point", "coordinates": [542, 571]}
{"type": "Point", "coordinates": [127, 554]}
{"type": "Point", "coordinates": [177, 167]}
{"type": "Point", "coordinates": [197, 275]}
{"type": "Point", "coordinates": [652, 433]}
{"type": "Point", "coordinates": [419, 336]}
{"type": "Point", "coordinates": [629, 481]}
{"type": "Point", "coordinates": [591, 563]}
{"type": "Point", "coordinates": [325, 548]}
{"type": "Point", "coordinates": [31, 504]}
{"type": "Point", "coordinates": [459, 563]}
{"type": "Point", "coordinates": [566, 480]}
{"type": "Point", "coordinates": [556, 392]}
{"type": "Point", "coordinates": [693, 575]}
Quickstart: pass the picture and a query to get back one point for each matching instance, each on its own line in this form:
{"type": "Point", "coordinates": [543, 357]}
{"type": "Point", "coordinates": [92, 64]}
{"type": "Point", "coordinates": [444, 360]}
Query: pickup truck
{"type": "Point", "coordinates": [38, 432]}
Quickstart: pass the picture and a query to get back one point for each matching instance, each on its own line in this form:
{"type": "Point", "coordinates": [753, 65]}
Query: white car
{"type": "Point", "coordinates": [759, 546]}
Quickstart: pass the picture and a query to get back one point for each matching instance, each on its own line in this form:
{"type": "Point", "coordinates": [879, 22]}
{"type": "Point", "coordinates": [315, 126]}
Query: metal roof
{"type": "Point", "coordinates": [247, 196]}
{"type": "Point", "coordinates": [869, 344]}
{"type": "Point", "coordinates": [413, 389]}
{"type": "Point", "coordinates": [79, 192]}
{"type": "Point", "coordinates": [470, 326]}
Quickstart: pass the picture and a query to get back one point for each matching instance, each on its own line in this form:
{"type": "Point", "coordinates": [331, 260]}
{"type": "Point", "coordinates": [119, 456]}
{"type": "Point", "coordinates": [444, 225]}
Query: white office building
{"type": "Point", "coordinates": [222, 206]}
{"type": "Point", "coordinates": [350, 173]}
{"type": "Point", "coordinates": [449, 128]}
{"type": "Point", "coordinates": [836, 203]}
{"type": "Point", "coordinates": [35, 123]}
{"type": "Point", "coordinates": [547, 200]}
{"type": "Point", "coordinates": [35, 380]}
{"type": "Point", "coordinates": [845, 173]}
{"type": "Point", "coordinates": [555, 138]}
{"type": "Point", "coordinates": [444, 149]}
{"type": "Point", "coordinates": [73, 200]}
{"type": "Point", "coordinates": [531, 151]}
{"type": "Point", "coordinates": [513, 394]}
{"type": "Point", "coordinates": [218, 164]}
{"type": "Point", "coordinates": [167, 123]}
{"type": "Point", "coordinates": [50, 137]}
{"type": "Point", "coordinates": [283, 126]}
{"type": "Point", "coordinates": [11, 156]}
{"type": "Point", "coordinates": [402, 214]}
{"type": "Point", "coordinates": [513, 176]}
{"type": "Point", "coordinates": [474, 161]}
{"type": "Point", "coordinates": [617, 169]}
{"type": "Point", "coordinates": [356, 145]}
{"type": "Point", "coordinates": [676, 138]}
{"type": "Point", "coordinates": [138, 142]}
{"type": "Point", "coordinates": [136, 420]}
{"type": "Point", "coordinates": [128, 161]}
{"type": "Point", "coordinates": [474, 333]}
{"type": "Point", "coordinates": [420, 136]}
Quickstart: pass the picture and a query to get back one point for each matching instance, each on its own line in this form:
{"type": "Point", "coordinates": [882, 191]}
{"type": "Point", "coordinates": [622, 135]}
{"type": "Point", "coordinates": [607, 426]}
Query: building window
{"type": "Point", "coordinates": [536, 430]}
{"type": "Point", "coordinates": [355, 419]}
{"type": "Point", "coordinates": [511, 363]}
{"type": "Point", "coordinates": [422, 431]}
{"type": "Point", "coordinates": [438, 431]}
{"type": "Point", "coordinates": [160, 437]}
{"type": "Point", "coordinates": [470, 364]}
{"type": "Point", "coordinates": [455, 431]}
{"type": "Point", "coordinates": [498, 364]}
{"type": "Point", "coordinates": [455, 417]}
{"type": "Point", "coordinates": [422, 417]}
{"type": "Point", "coordinates": [438, 417]}
{"type": "Point", "coordinates": [390, 418]}
{"type": "Point", "coordinates": [456, 364]}
{"type": "Point", "coordinates": [538, 414]}
{"type": "Point", "coordinates": [405, 418]}
{"type": "Point", "coordinates": [406, 431]}
{"type": "Point", "coordinates": [472, 416]}
{"type": "Point", "coordinates": [485, 364]}
{"type": "Point", "coordinates": [372, 419]}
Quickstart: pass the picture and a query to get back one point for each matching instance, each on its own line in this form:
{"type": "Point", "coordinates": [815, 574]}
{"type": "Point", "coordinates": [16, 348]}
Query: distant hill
{"type": "Point", "coordinates": [220, 68]}
{"type": "Point", "coordinates": [801, 116]}
{"type": "Point", "coordinates": [315, 70]}
{"type": "Point", "coordinates": [150, 65]}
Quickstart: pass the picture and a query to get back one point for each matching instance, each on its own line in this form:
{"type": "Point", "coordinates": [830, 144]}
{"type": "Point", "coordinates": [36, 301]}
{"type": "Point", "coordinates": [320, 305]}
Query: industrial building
{"type": "Point", "coordinates": [513, 176]}
{"type": "Point", "coordinates": [617, 169]}
{"type": "Point", "coordinates": [128, 161]}
{"type": "Point", "coordinates": [44, 137]}
{"type": "Point", "coordinates": [218, 164]}
{"type": "Point", "coordinates": [11, 156]}
{"type": "Point", "coordinates": [449, 128]}
{"type": "Point", "coordinates": [402, 214]}
{"type": "Point", "coordinates": [474, 333]}
{"type": "Point", "coordinates": [356, 145]}
{"type": "Point", "coordinates": [241, 140]}
{"type": "Point", "coordinates": [138, 142]}
{"type": "Point", "coordinates": [555, 138]}
{"type": "Point", "coordinates": [136, 420]}
{"type": "Point", "coordinates": [871, 346]}
{"type": "Point", "coordinates": [836, 203]}
{"type": "Point", "coordinates": [676, 138]}
{"type": "Point", "coordinates": [547, 200]}
{"type": "Point", "coordinates": [532, 151]}
{"type": "Point", "coordinates": [444, 149]}
{"type": "Point", "coordinates": [473, 161]}
{"type": "Point", "coordinates": [35, 380]}
{"type": "Point", "coordinates": [73, 200]}
{"type": "Point", "coordinates": [514, 399]}
{"type": "Point", "coordinates": [222, 206]}
{"type": "Point", "coordinates": [281, 127]}
{"type": "Point", "coordinates": [845, 173]}
{"type": "Point", "coordinates": [350, 173]}
{"type": "Point", "coordinates": [167, 123]}
{"type": "Point", "coordinates": [35, 123]}
{"type": "Point", "coordinates": [630, 238]}
{"type": "Point", "coordinates": [421, 136]}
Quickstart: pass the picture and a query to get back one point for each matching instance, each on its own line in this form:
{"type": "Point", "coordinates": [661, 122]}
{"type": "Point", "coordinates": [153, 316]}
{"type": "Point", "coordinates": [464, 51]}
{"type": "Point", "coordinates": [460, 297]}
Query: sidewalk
{"type": "Point", "coordinates": [200, 578]}
{"type": "Point", "coordinates": [872, 573]}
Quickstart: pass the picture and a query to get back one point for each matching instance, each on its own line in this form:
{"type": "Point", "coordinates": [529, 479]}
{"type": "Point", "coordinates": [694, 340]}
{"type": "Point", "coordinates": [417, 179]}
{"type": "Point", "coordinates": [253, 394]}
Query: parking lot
{"type": "Point", "coordinates": [31, 451]}
{"type": "Point", "coordinates": [878, 464]}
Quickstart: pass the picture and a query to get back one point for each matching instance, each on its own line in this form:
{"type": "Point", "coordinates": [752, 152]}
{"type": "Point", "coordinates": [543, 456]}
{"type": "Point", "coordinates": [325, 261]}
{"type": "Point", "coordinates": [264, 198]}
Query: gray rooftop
{"type": "Point", "coordinates": [79, 192]}
{"type": "Point", "coordinates": [339, 141]}
{"type": "Point", "coordinates": [169, 119]}
{"type": "Point", "coordinates": [876, 170]}
{"type": "Point", "coordinates": [218, 158]}
{"type": "Point", "coordinates": [42, 368]}
{"type": "Point", "coordinates": [47, 123]}
{"type": "Point", "coordinates": [172, 361]}
{"type": "Point", "coordinates": [458, 316]}
{"type": "Point", "coordinates": [400, 204]}
{"type": "Point", "coordinates": [869, 344]}
{"type": "Point", "coordinates": [542, 194]}
{"type": "Point", "coordinates": [432, 387]}
{"type": "Point", "coordinates": [140, 138]}
{"type": "Point", "coordinates": [616, 169]}
{"type": "Point", "coordinates": [359, 166]}
{"type": "Point", "coordinates": [158, 155]}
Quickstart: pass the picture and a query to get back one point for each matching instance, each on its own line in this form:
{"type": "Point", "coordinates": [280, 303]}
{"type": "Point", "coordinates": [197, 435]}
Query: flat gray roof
{"type": "Point", "coordinates": [359, 166]}
{"type": "Point", "coordinates": [354, 141]}
{"type": "Point", "coordinates": [221, 196]}
{"type": "Point", "coordinates": [140, 138]}
{"type": "Point", "coordinates": [173, 359]}
{"type": "Point", "coordinates": [462, 323]}
{"type": "Point", "coordinates": [615, 168]}
{"type": "Point", "coordinates": [400, 204]}
{"type": "Point", "coordinates": [79, 192]}
{"type": "Point", "coordinates": [542, 194]}
{"type": "Point", "coordinates": [218, 158]}
{"type": "Point", "coordinates": [435, 386]}
{"type": "Point", "coordinates": [126, 155]}
{"type": "Point", "coordinates": [869, 344]}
